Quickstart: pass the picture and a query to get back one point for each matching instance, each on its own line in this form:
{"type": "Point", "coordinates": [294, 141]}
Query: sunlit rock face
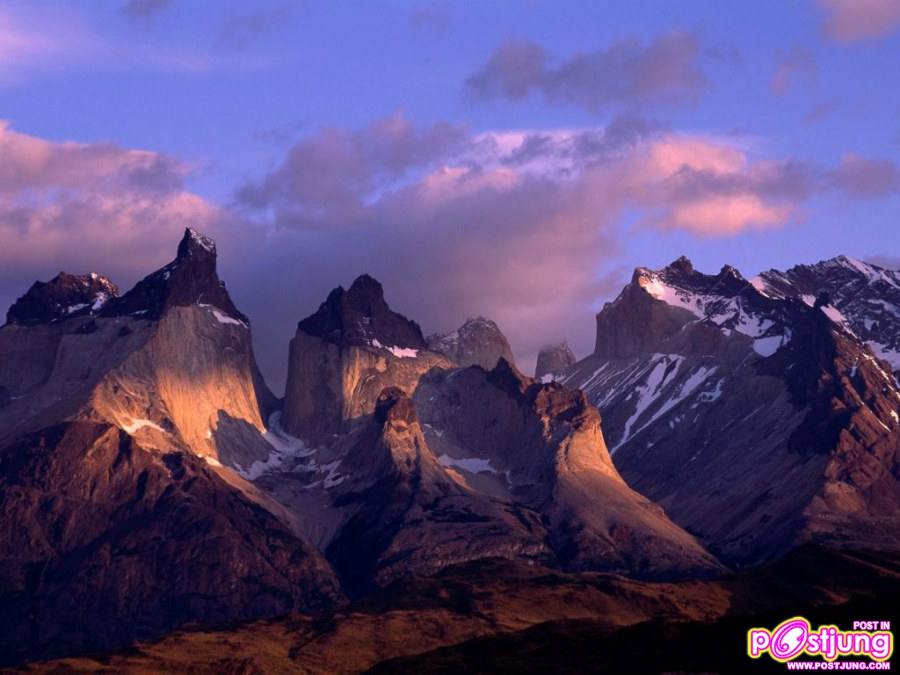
{"type": "Point", "coordinates": [753, 410]}
{"type": "Point", "coordinates": [344, 355]}
{"type": "Point", "coordinates": [541, 446]}
{"type": "Point", "coordinates": [125, 427]}
{"type": "Point", "coordinates": [171, 359]}
{"type": "Point", "coordinates": [413, 463]}
{"type": "Point", "coordinates": [145, 466]}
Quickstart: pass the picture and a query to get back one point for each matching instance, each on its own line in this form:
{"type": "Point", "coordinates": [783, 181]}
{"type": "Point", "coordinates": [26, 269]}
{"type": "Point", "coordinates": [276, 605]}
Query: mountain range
{"type": "Point", "coordinates": [150, 480]}
{"type": "Point", "coordinates": [756, 412]}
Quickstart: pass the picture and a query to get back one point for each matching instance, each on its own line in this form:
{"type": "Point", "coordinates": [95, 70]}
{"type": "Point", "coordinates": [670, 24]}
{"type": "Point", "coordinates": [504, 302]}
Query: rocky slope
{"type": "Point", "coordinates": [478, 342]}
{"type": "Point", "coordinates": [120, 516]}
{"type": "Point", "coordinates": [758, 419]}
{"type": "Point", "coordinates": [413, 464]}
{"type": "Point", "coordinates": [170, 360]}
{"type": "Point", "coordinates": [515, 618]}
{"type": "Point", "coordinates": [541, 446]}
{"type": "Point", "coordinates": [344, 355]}
{"type": "Point", "coordinates": [164, 376]}
{"type": "Point", "coordinates": [104, 540]}
{"type": "Point", "coordinates": [867, 297]}
{"type": "Point", "coordinates": [149, 479]}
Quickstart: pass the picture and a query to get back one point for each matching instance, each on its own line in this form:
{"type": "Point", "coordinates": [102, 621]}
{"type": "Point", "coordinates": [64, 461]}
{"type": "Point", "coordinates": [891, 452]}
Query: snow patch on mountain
{"type": "Point", "coordinates": [470, 464]}
{"type": "Point", "coordinates": [664, 389]}
{"type": "Point", "coordinates": [223, 318]}
{"type": "Point", "coordinates": [646, 394]}
{"type": "Point", "coordinates": [291, 453]}
{"type": "Point", "coordinates": [203, 241]}
{"type": "Point", "coordinates": [399, 352]}
{"type": "Point", "coordinates": [676, 297]}
{"type": "Point", "coordinates": [885, 354]}
{"type": "Point", "coordinates": [137, 423]}
{"type": "Point", "coordinates": [768, 345]}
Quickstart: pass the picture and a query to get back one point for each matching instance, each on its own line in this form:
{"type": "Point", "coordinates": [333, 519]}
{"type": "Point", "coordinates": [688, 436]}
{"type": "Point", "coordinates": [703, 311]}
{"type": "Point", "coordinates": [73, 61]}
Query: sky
{"type": "Point", "coordinates": [509, 159]}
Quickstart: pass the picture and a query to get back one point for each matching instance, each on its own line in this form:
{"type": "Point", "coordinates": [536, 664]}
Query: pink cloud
{"type": "Point", "coordinates": [855, 20]}
{"type": "Point", "coordinates": [725, 215]}
{"type": "Point", "coordinates": [712, 188]}
{"type": "Point", "coordinates": [523, 226]}
{"type": "Point", "coordinates": [516, 225]}
{"type": "Point", "coordinates": [72, 205]}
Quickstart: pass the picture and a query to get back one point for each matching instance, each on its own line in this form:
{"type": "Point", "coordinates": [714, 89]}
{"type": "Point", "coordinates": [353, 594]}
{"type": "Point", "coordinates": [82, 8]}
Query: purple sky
{"type": "Point", "coordinates": [512, 159]}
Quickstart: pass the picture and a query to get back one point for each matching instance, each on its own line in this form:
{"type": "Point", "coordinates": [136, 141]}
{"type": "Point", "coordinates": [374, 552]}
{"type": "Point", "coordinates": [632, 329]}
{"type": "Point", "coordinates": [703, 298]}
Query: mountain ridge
{"type": "Point", "coordinates": [719, 418]}
{"type": "Point", "coordinates": [717, 391]}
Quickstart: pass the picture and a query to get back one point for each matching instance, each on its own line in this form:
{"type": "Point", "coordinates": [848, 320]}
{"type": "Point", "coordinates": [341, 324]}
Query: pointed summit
{"type": "Point", "coordinates": [361, 316]}
{"type": "Point", "coordinates": [681, 264]}
{"type": "Point", "coordinates": [189, 279]}
{"type": "Point", "coordinates": [344, 355]}
{"type": "Point", "coordinates": [195, 245]}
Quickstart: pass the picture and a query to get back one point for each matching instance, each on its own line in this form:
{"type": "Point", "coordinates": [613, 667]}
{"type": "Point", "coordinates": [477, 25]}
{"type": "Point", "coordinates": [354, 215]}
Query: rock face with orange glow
{"type": "Point", "coordinates": [481, 463]}
{"type": "Point", "coordinates": [170, 360]}
{"type": "Point", "coordinates": [344, 355]}
{"type": "Point", "coordinates": [119, 516]}
{"type": "Point", "coordinates": [149, 479]}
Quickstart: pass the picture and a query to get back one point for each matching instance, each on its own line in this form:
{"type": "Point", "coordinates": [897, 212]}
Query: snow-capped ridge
{"type": "Point", "coordinates": [64, 296]}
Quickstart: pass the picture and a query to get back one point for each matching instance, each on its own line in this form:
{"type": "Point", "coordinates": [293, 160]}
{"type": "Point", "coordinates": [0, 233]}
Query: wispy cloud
{"type": "Point", "coordinates": [432, 16]}
{"type": "Point", "coordinates": [34, 41]}
{"type": "Point", "coordinates": [144, 9]}
{"type": "Point", "coordinates": [866, 178]}
{"type": "Point", "coordinates": [40, 40]}
{"type": "Point", "coordinates": [522, 226]}
{"type": "Point", "coordinates": [819, 112]}
{"type": "Point", "coordinates": [240, 31]}
{"type": "Point", "coordinates": [856, 20]}
{"type": "Point", "coordinates": [791, 68]}
{"type": "Point", "coordinates": [666, 70]}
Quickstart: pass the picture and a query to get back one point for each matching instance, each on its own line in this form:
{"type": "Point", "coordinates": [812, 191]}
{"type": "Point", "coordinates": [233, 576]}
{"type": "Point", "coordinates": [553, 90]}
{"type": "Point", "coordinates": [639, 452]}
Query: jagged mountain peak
{"type": "Point", "coordinates": [365, 285]}
{"type": "Point", "coordinates": [344, 355]}
{"type": "Point", "coordinates": [861, 297]}
{"type": "Point", "coordinates": [506, 376]}
{"type": "Point", "coordinates": [64, 296]}
{"type": "Point", "coordinates": [553, 359]}
{"type": "Point", "coordinates": [361, 316]}
{"type": "Point", "coordinates": [682, 276]}
{"type": "Point", "coordinates": [191, 278]}
{"type": "Point", "coordinates": [195, 245]}
{"type": "Point", "coordinates": [703, 379]}
{"type": "Point", "coordinates": [681, 264]}
{"type": "Point", "coordinates": [478, 342]}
